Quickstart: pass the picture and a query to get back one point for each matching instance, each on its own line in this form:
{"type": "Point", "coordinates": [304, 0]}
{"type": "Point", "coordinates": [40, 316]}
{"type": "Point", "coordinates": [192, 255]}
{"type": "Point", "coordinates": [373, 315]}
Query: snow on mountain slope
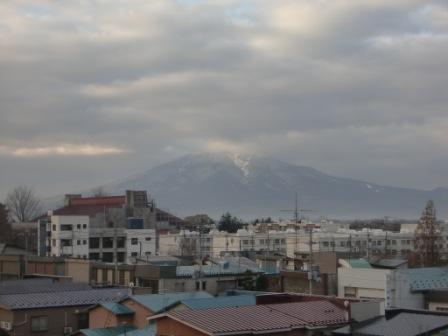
{"type": "Point", "coordinates": [251, 186]}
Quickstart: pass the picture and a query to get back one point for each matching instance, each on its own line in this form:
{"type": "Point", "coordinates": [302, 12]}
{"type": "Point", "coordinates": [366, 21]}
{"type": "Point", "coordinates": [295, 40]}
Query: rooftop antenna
{"type": "Point", "coordinates": [297, 218]}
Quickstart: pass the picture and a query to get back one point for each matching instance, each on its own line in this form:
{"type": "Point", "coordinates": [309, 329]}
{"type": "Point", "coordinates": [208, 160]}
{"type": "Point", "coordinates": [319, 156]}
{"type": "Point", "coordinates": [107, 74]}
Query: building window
{"type": "Point", "coordinates": [148, 253]}
{"type": "Point", "coordinates": [394, 242]}
{"type": "Point", "coordinates": [53, 242]}
{"type": "Point", "coordinates": [261, 241]}
{"type": "Point", "coordinates": [134, 241]}
{"type": "Point", "coordinates": [84, 226]}
{"type": "Point", "coordinates": [108, 242]}
{"type": "Point", "coordinates": [350, 291]}
{"type": "Point", "coordinates": [54, 227]}
{"type": "Point", "coordinates": [84, 242]}
{"type": "Point", "coordinates": [78, 242]}
{"type": "Point", "coordinates": [121, 242]}
{"type": "Point", "coordinates": [149, 238]}
{"type": "Point", "coordinates": [442, 309]}
{"type": "Point", "coordinates": [66, 227]}
{"type": "Point", "coordinates": [94, 243]}
{"type": "Point", "coordinates": [94, 256]}
{"type": "Point", "coordinates": [39, 323]}
{"type": "Point", "coordinates": [134, 254]}
{"type": "Point", "coordinates": [283, 241]}
{"type": "Point", "coordinates": [66, 242]}
{"type": "Point", "coordinates": [204, 285]}
{"type": "Point", "coordinates": [78, 226]}
{"type": "Point", "coordinates": [198, 286]}
{"type": "Point", "coordinates": [120, 257]}
{"type": "Point", "coordinates": [245, 242]}
{"type": "Point", "coordinates": [108, 257]}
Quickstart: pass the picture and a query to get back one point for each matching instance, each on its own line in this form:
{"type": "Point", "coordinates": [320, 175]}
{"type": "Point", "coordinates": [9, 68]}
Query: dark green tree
{"type": "Point", "coordinates": [229, 223]}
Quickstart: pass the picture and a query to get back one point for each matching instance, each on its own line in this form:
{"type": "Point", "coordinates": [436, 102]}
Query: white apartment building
{"type": "Point", "coordinates": [112, 228]}
{"type": "Point", "coordinates": [292, 243]}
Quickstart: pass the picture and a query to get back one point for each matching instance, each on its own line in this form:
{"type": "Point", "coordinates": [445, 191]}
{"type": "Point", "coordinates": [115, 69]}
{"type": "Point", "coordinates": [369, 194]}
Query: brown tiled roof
{"type": "Point", "coordinates": [83, 210]}
{"type": "Point", "coordinates": [313, 313]}
{"type": "Point", "coordinates": [261, 319]}
{"type": "Point", "coordinates": [106, 200]}
{"type": "Point", "coordinates": [90, 206]}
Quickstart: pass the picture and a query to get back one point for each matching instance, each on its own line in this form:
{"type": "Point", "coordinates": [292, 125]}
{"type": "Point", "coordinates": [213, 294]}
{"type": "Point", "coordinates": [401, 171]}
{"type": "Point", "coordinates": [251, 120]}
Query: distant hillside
{"type": "Point", "coordinates": [250, 187]}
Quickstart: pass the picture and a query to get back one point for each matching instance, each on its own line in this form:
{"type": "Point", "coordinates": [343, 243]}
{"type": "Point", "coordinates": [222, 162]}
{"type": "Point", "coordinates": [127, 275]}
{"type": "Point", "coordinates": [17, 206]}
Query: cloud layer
{"type": "Point", "coordinates": [353, 88]}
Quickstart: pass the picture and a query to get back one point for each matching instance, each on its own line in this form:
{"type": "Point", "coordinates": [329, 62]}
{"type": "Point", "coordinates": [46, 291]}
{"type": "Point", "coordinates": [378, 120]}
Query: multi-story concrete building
{"type": "Point", "coordinates": [111, 228]}
{"type": "Point", "coordinates": [291, 243]}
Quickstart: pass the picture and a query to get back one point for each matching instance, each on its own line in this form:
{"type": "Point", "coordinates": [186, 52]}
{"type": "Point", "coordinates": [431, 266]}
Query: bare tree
{"type": "Point", "coordinates": [98, 192]}
{"type": "Point", "coordinates": [428, 239]}
{"type": "Point", "coordinates": [23, 204]}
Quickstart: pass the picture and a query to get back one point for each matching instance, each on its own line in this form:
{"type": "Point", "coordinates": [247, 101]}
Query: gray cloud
{"type": "Point", "coordinates": [352, 88]}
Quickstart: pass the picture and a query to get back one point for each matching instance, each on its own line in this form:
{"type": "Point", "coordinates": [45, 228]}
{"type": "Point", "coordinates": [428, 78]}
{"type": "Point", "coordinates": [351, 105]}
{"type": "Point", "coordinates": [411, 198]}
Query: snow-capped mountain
{"type": "Point", "coordinates": [250, 186]}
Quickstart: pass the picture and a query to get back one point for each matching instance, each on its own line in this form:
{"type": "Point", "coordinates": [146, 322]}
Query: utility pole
{"type": "Point", "coordinates": [368, 245]}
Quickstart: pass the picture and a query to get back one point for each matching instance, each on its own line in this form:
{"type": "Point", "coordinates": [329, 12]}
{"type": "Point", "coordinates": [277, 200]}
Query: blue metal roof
{"type": "Point", "coordinates": [428, 278]}
{"type": "Point", "coordinates": [117, 308]}
{"type": "Point", "coordinates": [147, 331]}
{"type": "Point", "coordinates": [159, 302]}
{"type": "Point", "coordinates": [113, 331]}
{"type": "Point", "coordinates": [220, 302]}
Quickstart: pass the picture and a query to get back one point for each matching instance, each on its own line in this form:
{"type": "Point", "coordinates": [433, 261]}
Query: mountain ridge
{"type": "Point", "coordinates": [253, 186]}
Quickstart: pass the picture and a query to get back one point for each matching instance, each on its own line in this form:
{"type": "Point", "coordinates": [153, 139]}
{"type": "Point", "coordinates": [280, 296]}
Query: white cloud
{"type": "Point", "coordinates": [61, 150]}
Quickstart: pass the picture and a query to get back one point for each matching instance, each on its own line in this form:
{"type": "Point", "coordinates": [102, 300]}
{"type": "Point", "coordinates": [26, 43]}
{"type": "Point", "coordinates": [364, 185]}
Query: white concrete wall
{"type": "Point", "coordinates": [145, 244]}
{"type": "Point", "coordinates": [79, 236]}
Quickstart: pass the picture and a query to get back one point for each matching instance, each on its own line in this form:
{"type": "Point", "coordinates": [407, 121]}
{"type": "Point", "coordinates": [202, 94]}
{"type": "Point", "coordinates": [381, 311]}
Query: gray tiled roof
{"type": "Point", "coordinates": [38, 286]}
{"type": "Point", "coordinates": [62, 298]}
{"type": "Point", "coordinates": [404, 324]}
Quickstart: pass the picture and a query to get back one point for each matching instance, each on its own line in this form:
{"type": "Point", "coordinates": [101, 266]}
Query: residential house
{"type": "Point", "coordinates": [44, 307]}
{"type": "Point", "coordinates": [292, 319]}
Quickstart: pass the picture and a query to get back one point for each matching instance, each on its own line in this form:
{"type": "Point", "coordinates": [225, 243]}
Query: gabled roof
{"type": "Point", "coordinates": [313, 313]}
{"type": "Point", "coordinates": [404, 324]}
{"type": "Point", "coordinates": [261, 319]}
{"type": "Point", "coordinates": [39, 286]}
{"type": "Point", "coordinates": [62, 298]}
{"type": "Point", "coordinates": [160, 302]}
{"type": "Point", "coordinates": [84, 210]}
{"type": "Point", "coordinates": [254, 319]}
{"type": "Point", "coordinates": [220, 302]}
{"type": "Point", "coordinates": [117, 308]}
{"type": "Point", "coordinates": [113, 331]}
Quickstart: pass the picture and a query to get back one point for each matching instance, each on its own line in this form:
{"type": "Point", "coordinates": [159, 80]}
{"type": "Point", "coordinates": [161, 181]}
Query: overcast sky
{"type": "Point", "coordinates": [94, 91]}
